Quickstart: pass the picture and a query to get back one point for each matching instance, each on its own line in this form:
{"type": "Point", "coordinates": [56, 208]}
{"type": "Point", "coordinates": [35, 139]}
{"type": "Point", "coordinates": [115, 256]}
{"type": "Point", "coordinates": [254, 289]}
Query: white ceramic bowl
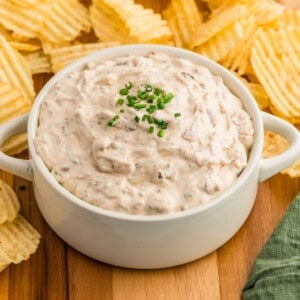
{"type": "Point", "coordinates": [150, 241]}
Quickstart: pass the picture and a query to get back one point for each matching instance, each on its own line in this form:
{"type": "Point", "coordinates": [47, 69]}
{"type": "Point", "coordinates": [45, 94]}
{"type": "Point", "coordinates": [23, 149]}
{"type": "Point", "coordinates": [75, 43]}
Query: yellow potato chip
{"type": "Point", "coordinates": [274, 144]}
{"type": "Point", "coordinates": [183, 19]}
{"type": "Point", "coordinates": [15, 144]}
{"type": "Point", "coordinates": [206, 31]}
{"type": "Point", "coordinates": [214, 4]}
{"type": "Point", "coordinates": [27, 3]}
{"type": "Point", "coordinates": [15, 70]}
{"type": "Point", "coordinates": [227, 40]}
{"type": "Point", "coordinates": [48, 47]}
{"type": "Point", "coordinates": [4, 32]}
{"type": "Point", "coordinates": [275, 58]}
{"type": "Point", "coordinates": [64, 21]}
{"type": "Point", "coordinates": [241, 59]}
{"type": "Point", "coordinates": [18, 241]}
{"type": "Point", "coordinates": [289, 18]}
{"type": "Point", "coordinates": [127, 22]}
{"type": "Point", "coordinates": [258, 13]}
{"type": "Point", "coordinates": [22, 21]}
{"type": "Point", "coordinates": [9, 203]}
{"type": "Point", "coordinates": [168, 15]}
{"type": "Point", "coordinates": [257, 91]}
{"type": "Point", "coordinates": [38, 62]}
{"type": "Point", "coordinates": [107, 25]}
{"type": "Point", "coordinates": [259, 95]}
{"type": "Point", "coordinates": [61, 57]}
{"type": "Point", "coordinates": [294, 170]}
{"type": "Point", "coordinates": [12, 103]}
{"type": "Point", "coordinates": [265, 11]}
{"type": "Point", "coordinates": [25, 46]}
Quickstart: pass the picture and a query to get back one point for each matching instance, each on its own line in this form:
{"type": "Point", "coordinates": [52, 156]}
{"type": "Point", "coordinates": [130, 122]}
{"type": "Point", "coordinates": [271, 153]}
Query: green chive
{"type": "Point", "coordinates": [157, 91]}
{"type": "Point", "coordinates": [122, 110]}
{"type": "Point", "coordinates": [151, 109]}
{"type": "Point", "coordinates": [149, 119]}
{"type": "Point", "coordinates": [160, 103]}
{"type": "Point", "coordinates": [142, 95]}
{"type": "Point", "coordinates": [110, 123]}
{"type": "Point", "coordinates": [168, 97]}
{"type": "Point", "coordinates": [161, 133]}
{"type": "Point", "coordinates": [151, 129]}
{"type": "Point", "coordinates": [144, 118]}
{"type": "Point", "coordinates": [176, 115]}
{"type": "Point", "coordinates": [148, 88]}
{"type": "Point", "coordinates": [123, 92]}
{"type": "Point", "coordinates": [157, 121]}
{"type": "Point", "coordinates": [131, 101]}
{"type": "Point", "coordinates": [130, 97]}
{"type": "Point", "coordinates": [120, 101]}
{"type": "Point", "coordinates": [137, 119]}
{"type": "Point", "coordinates": [128, 85]}
{"type": "Point", "coordinates": [164, 125]}
{"type": "Point", "coordinates": [139, 105]}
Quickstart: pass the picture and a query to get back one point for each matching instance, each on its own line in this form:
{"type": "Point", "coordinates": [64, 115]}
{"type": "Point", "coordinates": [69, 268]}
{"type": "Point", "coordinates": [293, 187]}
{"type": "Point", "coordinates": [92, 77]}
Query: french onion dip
{"type": "Point", "coordinates": [110, 153]}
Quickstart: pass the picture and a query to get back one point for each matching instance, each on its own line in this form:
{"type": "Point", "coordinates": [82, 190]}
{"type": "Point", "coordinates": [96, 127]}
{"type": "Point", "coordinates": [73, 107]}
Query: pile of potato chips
{"type": "Point", "coordinates": [258, 40]}
{"type": "Point", "coordinates": [18, 239]}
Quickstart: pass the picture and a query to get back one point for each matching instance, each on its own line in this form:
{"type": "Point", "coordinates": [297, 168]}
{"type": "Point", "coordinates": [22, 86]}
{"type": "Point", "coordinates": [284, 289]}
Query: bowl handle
{"type": "Point", "coordinates": [19, 167]}
{"type": "Point", "coordinates": [273, 165]}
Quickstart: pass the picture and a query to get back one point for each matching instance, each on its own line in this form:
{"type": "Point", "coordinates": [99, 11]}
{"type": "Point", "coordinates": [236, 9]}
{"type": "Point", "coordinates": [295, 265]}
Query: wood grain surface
{"type": "Point", "coordinates": [57, 271]}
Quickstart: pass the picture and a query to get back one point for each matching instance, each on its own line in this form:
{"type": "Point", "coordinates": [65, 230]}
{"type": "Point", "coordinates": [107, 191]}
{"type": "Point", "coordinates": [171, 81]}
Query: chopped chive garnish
{"type": "Point", "coordinates": [151, 109]}
{"type": "Point", "coordinates": [130, 103]}
{"type": "Point", "coordinates": [123, 92]}
{"type": "Point", "coordinates": [120, 101]}
{"type": "Point", "coordinates": [142, 95]}
{"type": "Point", "coordinates": [152, 97]}
{"type": "Point", "coordinates": [148, 88]}
{"type": "Point", "coordinates": [164, 125]}
{"type": "Point", "coordinates": [160, 103]}
{"type": "Point", "coordinates": [157, 121]}
{"type": "Point", "coordinates": [151, 129]}
{"type": "Point", "coordinates": [157, 91]}
{"type": "Point", "coordinates": [168, 97]}
{"type": "Point", "coordinates": [149, 98]}
{"type": "Point", "coordinates": [161, 133]}
{"type": "Point", "coordinates": [110, 123]}
{"type": "Point", "coordinates": [139, 105]}
{"type": "Point", "coordinates": [149, 119]}
{"type": "Point", "coordinates": [128, 85]}
{"type": "Point", "coordinates": [130, 97]}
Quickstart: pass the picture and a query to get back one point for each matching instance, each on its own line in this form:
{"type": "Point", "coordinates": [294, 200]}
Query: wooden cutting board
{"type": "Point", "coordinates": [57, 271]}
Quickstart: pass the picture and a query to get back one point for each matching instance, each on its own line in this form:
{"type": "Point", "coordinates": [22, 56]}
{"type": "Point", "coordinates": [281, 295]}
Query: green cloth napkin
{"type": "Point", "coordinates": [276, 272]}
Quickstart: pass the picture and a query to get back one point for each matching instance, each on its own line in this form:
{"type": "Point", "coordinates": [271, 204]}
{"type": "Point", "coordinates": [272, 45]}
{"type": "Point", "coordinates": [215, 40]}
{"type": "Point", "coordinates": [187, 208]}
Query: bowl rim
{"type": "Point", "coordinates": [136, 49]}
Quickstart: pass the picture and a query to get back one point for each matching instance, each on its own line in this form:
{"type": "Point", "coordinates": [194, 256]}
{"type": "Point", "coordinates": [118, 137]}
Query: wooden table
{"type": "Point", "coordinates": [57, 271]}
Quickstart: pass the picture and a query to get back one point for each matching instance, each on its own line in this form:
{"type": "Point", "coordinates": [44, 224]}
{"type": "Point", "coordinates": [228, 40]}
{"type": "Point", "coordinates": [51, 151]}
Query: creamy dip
{"type": "Point", "coordinates": [123, 167]}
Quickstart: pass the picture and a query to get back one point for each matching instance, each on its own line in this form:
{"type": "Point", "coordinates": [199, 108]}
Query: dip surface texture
{"type": "Point", "coordinates": [123, 167]}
